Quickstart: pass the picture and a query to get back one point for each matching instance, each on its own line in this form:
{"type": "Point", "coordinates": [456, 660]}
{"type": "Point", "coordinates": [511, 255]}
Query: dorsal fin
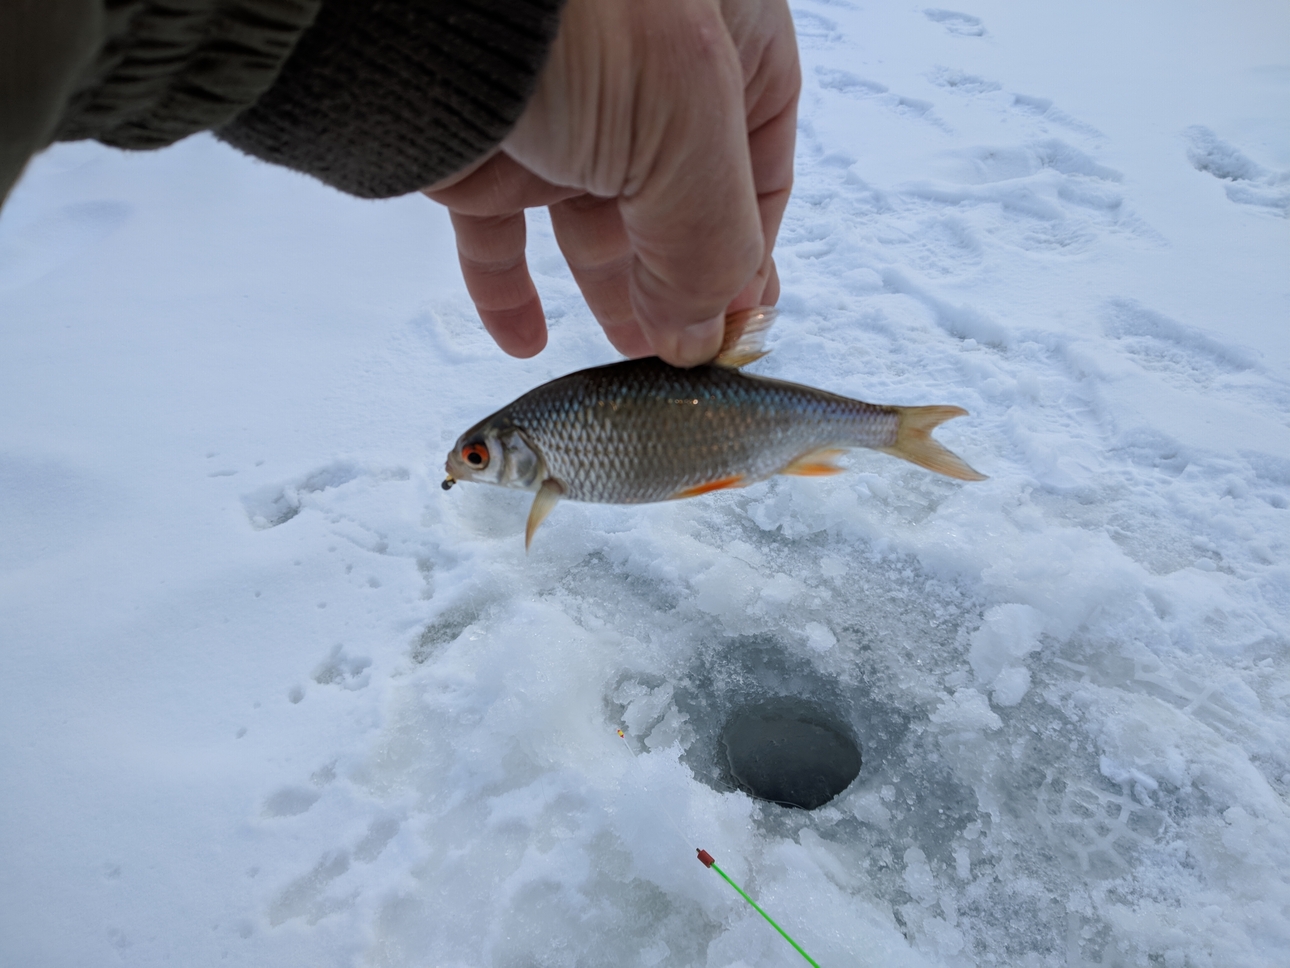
{"type": "Point", "coordinates": [745, 333]}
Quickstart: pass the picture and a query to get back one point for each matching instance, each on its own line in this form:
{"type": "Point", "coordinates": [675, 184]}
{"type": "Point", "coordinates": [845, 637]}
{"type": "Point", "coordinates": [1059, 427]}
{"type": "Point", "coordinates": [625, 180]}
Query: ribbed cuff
{"type": "Point", "coordinates": [171, 68]}
{"type": "Point", "coordinates": [383, 97]}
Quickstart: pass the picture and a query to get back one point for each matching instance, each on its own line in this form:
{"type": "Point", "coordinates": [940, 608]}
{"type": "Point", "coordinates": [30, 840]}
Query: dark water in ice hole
{"type": "Point", "coordinates": [790, 751]}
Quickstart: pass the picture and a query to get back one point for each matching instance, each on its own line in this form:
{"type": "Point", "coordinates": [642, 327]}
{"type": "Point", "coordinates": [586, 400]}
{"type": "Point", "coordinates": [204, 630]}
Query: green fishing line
{"type": "Point", "coordinates": [706, 859]}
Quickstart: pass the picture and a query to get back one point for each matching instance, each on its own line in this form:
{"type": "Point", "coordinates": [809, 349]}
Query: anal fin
{"type": "Point", "coordinates": [718, 485]}
{"type": "Point", "coordinates": [817, 463]}
{"type": "Point", "coordinates": [547, 497]}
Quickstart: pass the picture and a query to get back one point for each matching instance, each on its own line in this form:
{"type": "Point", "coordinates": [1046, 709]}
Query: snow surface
{"type": "Point", "coordinates": [274, 698]}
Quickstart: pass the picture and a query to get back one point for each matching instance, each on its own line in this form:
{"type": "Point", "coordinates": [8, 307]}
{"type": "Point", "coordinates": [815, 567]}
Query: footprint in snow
{"type": "Point", "coordinates": [1045, 195]}
{"type": "Point", "coordinates": [1249, 183]}
{"type": "Point", "coordinates": [844, 82]}
{"type": "Point", "coordinates": [986, 165]}
{"type": "Point", "coordinates": [853, 85]}
{"type": "Point", "coordinates": [344, 670]}
{"type": "Point", "coordinates": [289, 802]}
{"type": "Point", "coordinates": [1180, 353]}
{"type": "Point", "coordinates": [275, 504]}
{"type": "Point", "coordinates": [306, 897]}
{"type": "Point", "coordinates": [1044, 109]}
{"type": "Point", "coordinates": [961, 82]}
{"type": "Point", "coordinates": [959, 24]}
{"type": "Point", "coordinates": [814, 31]}
{"type": "Point", "coordinates": [445, 629]}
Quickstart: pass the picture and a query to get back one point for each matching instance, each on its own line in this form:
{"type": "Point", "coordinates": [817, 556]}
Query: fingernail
{"type": "Point", "coordinates": [699, 342]}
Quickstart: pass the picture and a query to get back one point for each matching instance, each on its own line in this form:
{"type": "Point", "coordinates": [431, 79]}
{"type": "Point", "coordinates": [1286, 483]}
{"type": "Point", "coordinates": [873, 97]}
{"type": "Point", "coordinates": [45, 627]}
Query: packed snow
{"type": "Point", "coordinates": [275, 698]}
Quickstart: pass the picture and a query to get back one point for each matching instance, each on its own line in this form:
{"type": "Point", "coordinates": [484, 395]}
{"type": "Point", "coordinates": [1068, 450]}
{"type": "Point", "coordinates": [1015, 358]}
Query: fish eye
{"type": "Point", "coordinates": [476, 455]}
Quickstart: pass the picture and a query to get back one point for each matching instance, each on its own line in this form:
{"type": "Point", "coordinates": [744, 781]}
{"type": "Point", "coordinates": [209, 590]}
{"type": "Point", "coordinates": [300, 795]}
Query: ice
{"type": "Point", "coordinates": [274, 697]}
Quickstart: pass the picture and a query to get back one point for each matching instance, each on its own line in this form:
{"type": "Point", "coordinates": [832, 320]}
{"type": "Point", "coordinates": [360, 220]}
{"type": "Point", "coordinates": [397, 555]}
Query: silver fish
{"type": "Point", "coordinates": [641, 431]}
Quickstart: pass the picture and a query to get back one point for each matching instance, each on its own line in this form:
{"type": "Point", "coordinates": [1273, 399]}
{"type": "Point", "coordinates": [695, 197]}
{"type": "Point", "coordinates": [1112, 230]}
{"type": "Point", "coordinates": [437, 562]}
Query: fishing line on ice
{"type": "Point", "coordinates": [707, 860]}
{"type": "Point", "coordinates": [645, 784]}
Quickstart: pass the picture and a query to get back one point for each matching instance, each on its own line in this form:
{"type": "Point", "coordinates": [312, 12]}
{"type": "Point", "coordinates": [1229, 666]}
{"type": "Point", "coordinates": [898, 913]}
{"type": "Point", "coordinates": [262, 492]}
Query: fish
{"type": "Point", "coordinates": [641, 430]}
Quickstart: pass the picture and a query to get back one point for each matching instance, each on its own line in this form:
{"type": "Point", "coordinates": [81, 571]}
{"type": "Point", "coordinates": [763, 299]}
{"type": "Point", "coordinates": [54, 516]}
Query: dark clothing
{"type": "Point", "coordinates": [374, 97]}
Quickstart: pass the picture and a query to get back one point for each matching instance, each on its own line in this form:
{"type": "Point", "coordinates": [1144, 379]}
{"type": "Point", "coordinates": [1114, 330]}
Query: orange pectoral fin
{"type": "Point", "coordinates": [718, 485]}
{"type": "Point", "coordinates": [818, 463]}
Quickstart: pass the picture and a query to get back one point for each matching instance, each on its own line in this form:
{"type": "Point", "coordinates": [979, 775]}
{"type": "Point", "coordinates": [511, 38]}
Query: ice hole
{"type": "Point", "coordinates": [791, 752]}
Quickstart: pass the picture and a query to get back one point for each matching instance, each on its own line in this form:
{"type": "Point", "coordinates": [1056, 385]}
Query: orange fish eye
{"type": "Point", "coordinates": [476, 455]}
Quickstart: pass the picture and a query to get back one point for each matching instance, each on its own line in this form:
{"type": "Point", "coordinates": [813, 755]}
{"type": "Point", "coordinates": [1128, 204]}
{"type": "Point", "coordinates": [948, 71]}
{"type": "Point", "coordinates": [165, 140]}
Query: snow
{"type": "Point", "coordinates": [273, 697]}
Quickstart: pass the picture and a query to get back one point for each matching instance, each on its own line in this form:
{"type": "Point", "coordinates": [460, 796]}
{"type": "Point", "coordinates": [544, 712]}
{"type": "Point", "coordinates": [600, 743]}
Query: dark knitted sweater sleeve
{"type": "Point", "coordinates": [382, 97]}
{"type": "Point", "coordinates": [374, 97]}
{"type": "Point", "coordinates": [170, 68]}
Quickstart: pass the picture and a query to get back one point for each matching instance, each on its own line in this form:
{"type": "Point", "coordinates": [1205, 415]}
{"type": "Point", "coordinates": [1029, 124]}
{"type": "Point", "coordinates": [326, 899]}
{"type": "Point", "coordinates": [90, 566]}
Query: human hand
{"type": "Point", "coordinates": [661, 138]}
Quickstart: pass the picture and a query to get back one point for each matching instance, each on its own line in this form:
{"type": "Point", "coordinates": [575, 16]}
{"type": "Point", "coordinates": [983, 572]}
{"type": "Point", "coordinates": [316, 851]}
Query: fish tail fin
{"type": "Point", "coordinates": [745, 332]}
{"type": "Point", "coordinates": [914, 442]}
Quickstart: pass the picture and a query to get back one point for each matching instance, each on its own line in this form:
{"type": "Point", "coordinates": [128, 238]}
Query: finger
{"type": "Point", "coordinates": [771, 149]}
{"type": "Point", "coordinates": [762, 290]}
{"type": "Point", "coordinates": [486, 206]}
{"type": "Point", "coordinates": [770, 294]}
{"type": "Point", "coordinates": [491, 250]}
{"type": "Point", "coordinates": [692, 217]}
{"type": "Point", "coordinates": [499, 186]}
{"type": "Point", "coordinates": [590, 232]}
{"type": "Point", "coordinates": [772, 95]}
